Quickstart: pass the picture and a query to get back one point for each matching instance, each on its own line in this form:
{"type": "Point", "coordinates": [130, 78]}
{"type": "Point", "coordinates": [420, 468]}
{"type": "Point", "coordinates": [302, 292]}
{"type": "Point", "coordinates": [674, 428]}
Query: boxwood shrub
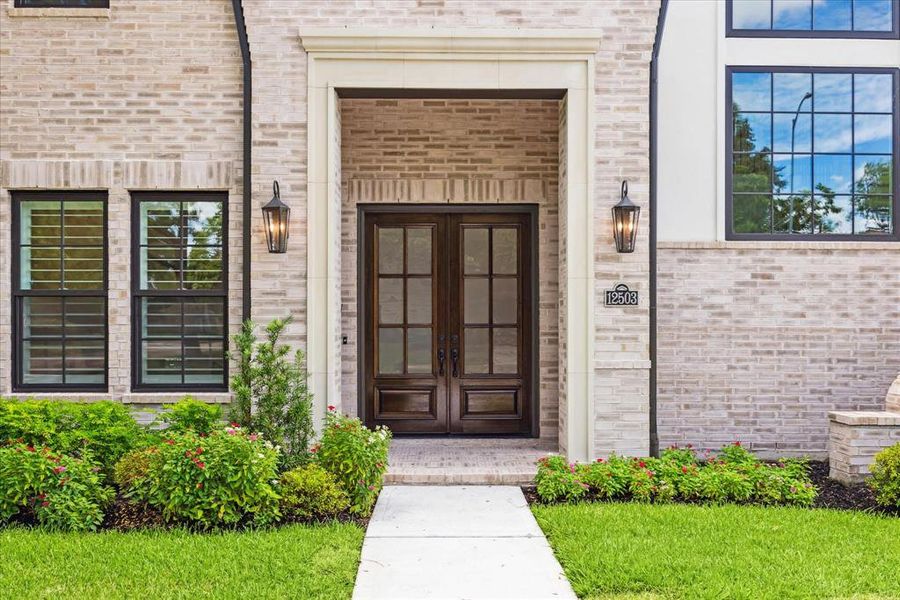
{"type": "Point", "coordinates": [885, 481]}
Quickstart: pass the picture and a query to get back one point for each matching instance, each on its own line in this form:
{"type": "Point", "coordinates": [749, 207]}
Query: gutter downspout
{"type": "Point", "coordinates": [654, 119]}
{"type": "Point", "coordinates": [246, 216]}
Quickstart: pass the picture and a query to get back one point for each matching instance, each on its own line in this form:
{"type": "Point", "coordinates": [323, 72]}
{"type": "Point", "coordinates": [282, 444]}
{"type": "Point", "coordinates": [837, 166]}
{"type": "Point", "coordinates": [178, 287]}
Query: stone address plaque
{"type": "Point", "coordinates": [621, 296]}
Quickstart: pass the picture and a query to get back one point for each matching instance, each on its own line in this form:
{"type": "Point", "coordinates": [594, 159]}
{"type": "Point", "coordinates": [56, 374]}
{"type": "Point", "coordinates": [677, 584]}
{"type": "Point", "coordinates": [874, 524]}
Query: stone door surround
{"type": "Point", "coordinates": [459, 59]}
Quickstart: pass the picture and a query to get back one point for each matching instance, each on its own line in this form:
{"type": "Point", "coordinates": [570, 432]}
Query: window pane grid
{"type": "Point", "coordinates": [843, 17]}
{"type": "Point", "coordinates": [180, 291]}
{"type": "Point", "coordinates": [844, 188]}
{"type": "Point", "coordinates": [59, 296]}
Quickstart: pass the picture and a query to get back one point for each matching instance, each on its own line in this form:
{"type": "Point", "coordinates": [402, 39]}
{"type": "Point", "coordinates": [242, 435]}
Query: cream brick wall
{"type": "Point", "coordinates": [486, 151]}
{"type": "Point", "coordinates": [147, 95]}
{"type": "Point", "coordinates": [758, 341]}
{"type": "Point", "coordinates": [155, 80]}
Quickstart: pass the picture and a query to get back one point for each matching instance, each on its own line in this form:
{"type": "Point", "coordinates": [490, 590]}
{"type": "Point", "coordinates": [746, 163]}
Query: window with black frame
{"type": "Point", "coordinates": [180, 289]}
{"type": "Point", "coordinates": [813, 18]}
{"type": "Point", "coordinates": [59, 290]}
{"type": "Point", "coordinates": [61, 3]}
{"type": "Point", "coordinates": [811, 153]}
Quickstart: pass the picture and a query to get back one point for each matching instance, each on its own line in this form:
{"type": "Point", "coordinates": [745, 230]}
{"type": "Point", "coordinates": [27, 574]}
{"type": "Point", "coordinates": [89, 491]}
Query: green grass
{"type": "Point", "coordinates": [291, 562]}
{"type": "Point", "coordinates": [647, 552]}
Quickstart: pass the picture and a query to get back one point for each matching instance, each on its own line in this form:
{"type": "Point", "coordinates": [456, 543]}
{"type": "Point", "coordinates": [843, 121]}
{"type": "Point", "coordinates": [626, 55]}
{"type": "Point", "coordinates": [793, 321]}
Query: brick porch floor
{"type": "Point", "coordinates": [465, 460]}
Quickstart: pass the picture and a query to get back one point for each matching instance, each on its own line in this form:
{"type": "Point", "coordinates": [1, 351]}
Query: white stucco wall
{"type": "Point", "coordinates": [693, 57]}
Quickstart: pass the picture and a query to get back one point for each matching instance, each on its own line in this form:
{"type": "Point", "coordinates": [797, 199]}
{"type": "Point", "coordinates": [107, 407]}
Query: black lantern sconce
{"type": "Point", "coordinates": [625, 221]}
{"type": "Point", "coordinates": [276, 215]}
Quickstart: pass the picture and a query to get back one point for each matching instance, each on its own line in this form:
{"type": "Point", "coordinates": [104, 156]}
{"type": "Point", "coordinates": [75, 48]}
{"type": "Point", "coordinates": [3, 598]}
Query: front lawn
{"type": "Point", "coordinates": [683, 551]}
{"type": "Point", "coordinates": [291, 562]}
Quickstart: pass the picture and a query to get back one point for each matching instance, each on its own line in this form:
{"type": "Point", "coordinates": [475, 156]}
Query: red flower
{"type": "Point", "coordinates": [170, 442]}
{"type": "Point", "coordinates": [199, 450]}
{"type": "Point", "coordinates": [200, 464]}
{"type": "Point", "coordinates": [253, 437]}
{"type": "Point", "coordinates": [59, 470]}
{"type": "Point", "coordinates": [233, 424]}
{"type": "Point", "coordinates": [738, 444]}
{"type": "Point", "coordinates": [684, 469]}
{"type": "Point", "coordinates": [599, 460]}
{"type": "Point", "coordinates": [30, 448]}
{"type": "Point", "coordinates": [642, 464]}
{"type": "Point", "coordinates": [331, 407]}
{"type": "Point", "coordinates": [199, 486]}
{"type": "Point", "coordinates": [45, 504]}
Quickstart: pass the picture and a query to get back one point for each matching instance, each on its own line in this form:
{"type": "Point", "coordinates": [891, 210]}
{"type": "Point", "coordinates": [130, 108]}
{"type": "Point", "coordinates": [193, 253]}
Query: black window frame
{"type": "Point", "coordinates": [18, 294]}
{"type": "Point", "coordinates": [137, 294]}
{"type": "Point", "coordinates": [64, 4]}
{"type": "Point", "coordinates": [893, 34]}
{"type": "Point", "coordinates": [823, 237]}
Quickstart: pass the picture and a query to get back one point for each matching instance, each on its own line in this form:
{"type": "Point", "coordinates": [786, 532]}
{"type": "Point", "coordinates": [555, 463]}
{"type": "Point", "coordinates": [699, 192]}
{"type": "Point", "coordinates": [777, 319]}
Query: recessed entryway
{"type": "Point", "coordinates": [448, 318]}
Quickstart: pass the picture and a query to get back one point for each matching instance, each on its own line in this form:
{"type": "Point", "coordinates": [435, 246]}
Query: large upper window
{"type": "Point", "coordinates": [59, 290]}
{"type": "Point", "coordinates": [180, 289]}
{"type": "Point", "coordinates": [813, 18]}
{"type": "Point", "coordinates": [812, 153]}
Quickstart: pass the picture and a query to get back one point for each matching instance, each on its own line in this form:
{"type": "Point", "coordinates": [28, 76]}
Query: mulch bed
{"type": "Point", "coordinates": [832, 494]}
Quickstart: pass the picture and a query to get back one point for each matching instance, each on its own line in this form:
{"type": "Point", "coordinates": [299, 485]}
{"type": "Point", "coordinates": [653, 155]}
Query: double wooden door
{"type": "Point", "coordinates": [447, 300]}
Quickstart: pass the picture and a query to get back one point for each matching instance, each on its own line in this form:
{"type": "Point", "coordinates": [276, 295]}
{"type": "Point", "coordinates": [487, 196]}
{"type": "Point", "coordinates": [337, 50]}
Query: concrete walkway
{"type": "Point", "coordinates": [460, 542]}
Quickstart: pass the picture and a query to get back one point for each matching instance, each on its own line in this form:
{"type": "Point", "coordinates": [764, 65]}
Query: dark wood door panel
{"type": "Point", "coordinates": [448, 321]}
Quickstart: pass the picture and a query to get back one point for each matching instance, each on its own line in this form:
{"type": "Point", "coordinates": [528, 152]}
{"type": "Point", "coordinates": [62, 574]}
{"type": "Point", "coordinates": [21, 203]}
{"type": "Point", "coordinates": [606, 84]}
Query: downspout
{"type": "Point", "coordinates": [246, 216]}
{"type": "Point", "coordinates": [654, 121]}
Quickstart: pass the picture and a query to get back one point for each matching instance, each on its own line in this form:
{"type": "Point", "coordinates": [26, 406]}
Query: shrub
{"type": "Point", "coordinates": [63, 492]}
{"type": "Point", "coordinates": [190, 414]}
{"type": "Point", "coordinates": [224, 478]}
{"type": "Point", "coordinates": [357, 456]}
{"type": "Point", "coordinates": [133, 467]}
{"type": "Point", "coordinates": [885, 480]}
{"type": "Point", "coordinates": [736, 476]}
{"type": "Point", "coordinates": [96, 431]}
{"type": "Point", "coordinates": [277, 387]}
{"type": "Point", "coordinates": [311, 492]}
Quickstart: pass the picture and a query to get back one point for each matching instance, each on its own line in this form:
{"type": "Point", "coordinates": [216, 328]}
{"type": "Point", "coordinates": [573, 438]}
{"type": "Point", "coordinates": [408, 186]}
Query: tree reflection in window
{"type": "Point", "coordinates": [812, 153]}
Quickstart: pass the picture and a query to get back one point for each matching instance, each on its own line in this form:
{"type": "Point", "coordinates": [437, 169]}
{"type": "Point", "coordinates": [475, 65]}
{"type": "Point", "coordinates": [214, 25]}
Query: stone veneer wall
{"type": "Point", "coordinates": [454, 151]}
{"type": "Point", "coordinates": [144, 95]}
{"type": "Point", "coordinates": [758, 341]}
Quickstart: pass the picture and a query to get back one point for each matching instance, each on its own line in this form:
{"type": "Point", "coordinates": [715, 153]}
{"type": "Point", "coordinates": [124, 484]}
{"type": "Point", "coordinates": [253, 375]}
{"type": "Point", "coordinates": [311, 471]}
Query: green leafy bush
{"type": "Point", "coordinates": [96, 431]}
{"type": "Point", "coordinates": [63, 492]}
{"type": "Point", "coordinates": [736, 475]}
{"type": "Point", "coordinates": [271, 391]}
{"type": "Point", "coordinates": [190, 414]}
{"type": "Point", "coordinates": [133, 467]}
{"type": "Point", "coordinates": [885, 480]}
{"type": "Point", "coordinates": [224, 478]}
{"type": "Point", "coordinates": [311, 492]}
{"type": "Point", "coordinates": [357, 456]}
{"type": "Point", "coordinates": [557, 481]}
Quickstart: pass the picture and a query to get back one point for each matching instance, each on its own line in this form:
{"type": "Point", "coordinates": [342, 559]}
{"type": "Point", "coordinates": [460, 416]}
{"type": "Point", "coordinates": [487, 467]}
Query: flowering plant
{"type": "Point", "coordinates": [356, 455]}
{"type": "Point", "coordinates": [223, 478]}
{"type": "Point", "coordinates": [63, 492]}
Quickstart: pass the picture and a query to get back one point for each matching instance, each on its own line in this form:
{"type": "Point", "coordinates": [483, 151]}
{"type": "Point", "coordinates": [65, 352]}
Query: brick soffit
{"type": "Point", "coordinates": [455, 40]}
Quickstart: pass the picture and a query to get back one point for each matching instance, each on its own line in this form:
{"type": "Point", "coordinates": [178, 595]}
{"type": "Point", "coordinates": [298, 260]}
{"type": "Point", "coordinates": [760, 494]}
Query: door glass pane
{"type": "Point", "coordinates": [475, 250]}
{"type": "Point", "coordinates": [418, 306]}
{"type": "Point", "coordinates": [475, 305]}
{"type": "Point", "coordinates": [418, 250]}
{"type": "Point", "coordinates": [390, 250]}
{"type": "Point", "coordinates": [390, 300]}
{"type": "Point", "coordinates": [506, 252]}
{"type": "Point", "coordinates": [505, 350]}
{"type": "Point", "coordinates": [476, 351]}
{"type": "Point", "coordinates": [390, 350]}
{"type": "Point", "coordinates": [506, 301]}
{"type": "Point", "coordinates": [418, 350]}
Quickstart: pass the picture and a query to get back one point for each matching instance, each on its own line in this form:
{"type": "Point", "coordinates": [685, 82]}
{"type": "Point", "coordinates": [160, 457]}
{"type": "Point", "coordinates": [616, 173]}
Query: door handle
{"type": "Point", "coordinates": [454, 356]}
{"type": "Point", "coordinates": [441, 357]}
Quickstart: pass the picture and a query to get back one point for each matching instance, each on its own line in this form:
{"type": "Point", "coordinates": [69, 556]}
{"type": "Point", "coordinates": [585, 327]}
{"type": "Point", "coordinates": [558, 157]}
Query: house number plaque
{"type": "Point", "coordinates": [621, 296]}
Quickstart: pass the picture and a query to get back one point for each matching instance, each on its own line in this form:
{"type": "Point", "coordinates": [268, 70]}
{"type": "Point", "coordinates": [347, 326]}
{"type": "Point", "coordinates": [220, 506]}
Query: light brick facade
{"type": "Point", "coordinates": [757, 341]}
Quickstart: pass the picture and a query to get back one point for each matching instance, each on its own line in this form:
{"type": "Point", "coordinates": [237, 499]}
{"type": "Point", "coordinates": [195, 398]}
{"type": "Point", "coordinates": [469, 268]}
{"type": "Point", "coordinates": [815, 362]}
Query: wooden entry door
{"type": "Point", "coordinates": [448, 325]}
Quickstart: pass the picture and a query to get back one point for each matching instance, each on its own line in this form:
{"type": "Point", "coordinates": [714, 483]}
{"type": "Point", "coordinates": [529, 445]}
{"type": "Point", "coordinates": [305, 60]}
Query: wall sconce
{"type": "Point", "coordinates": [625, 221]}
{"type": "Point", "coordinates": [276, 215]}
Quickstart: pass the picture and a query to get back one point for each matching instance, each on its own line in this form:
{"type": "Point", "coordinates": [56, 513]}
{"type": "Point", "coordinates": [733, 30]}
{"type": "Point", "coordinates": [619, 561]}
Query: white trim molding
{"type": "Point", "coordinates": [507, 59]}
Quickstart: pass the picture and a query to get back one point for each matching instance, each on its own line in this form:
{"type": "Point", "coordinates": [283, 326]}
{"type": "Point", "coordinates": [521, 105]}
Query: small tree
{"type": "Point", "coordinates": [271, 392]}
